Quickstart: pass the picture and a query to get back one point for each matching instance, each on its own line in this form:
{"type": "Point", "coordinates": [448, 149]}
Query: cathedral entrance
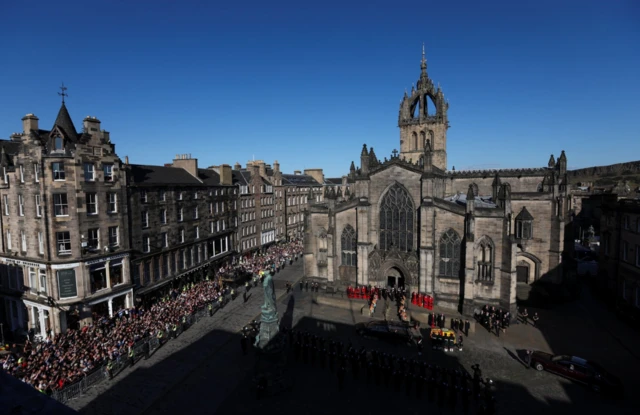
{"type": "Point", "coordinates": [395, 278]}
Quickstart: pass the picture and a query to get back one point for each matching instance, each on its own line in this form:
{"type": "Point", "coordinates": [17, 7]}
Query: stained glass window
{"type": "Point", "coordinates": [450, 254]}
{"type": "Point", "coordinates": [348, 243]}
{"type": "Point", "coordinates": [396, 220]}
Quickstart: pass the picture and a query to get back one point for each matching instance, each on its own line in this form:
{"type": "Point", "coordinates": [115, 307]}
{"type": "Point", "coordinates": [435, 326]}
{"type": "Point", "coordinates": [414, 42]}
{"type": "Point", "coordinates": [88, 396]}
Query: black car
{"type": "Point", "coordinates": [389, 330]}
{"type": "Point", "coordinates": [580, 370]}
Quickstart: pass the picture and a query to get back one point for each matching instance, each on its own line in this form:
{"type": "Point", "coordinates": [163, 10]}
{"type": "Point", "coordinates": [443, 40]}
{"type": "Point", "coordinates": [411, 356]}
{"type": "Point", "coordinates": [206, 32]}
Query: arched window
{"type": "Point", "coordinates": [431, 137]}
{"type": "Point", "coordinates": [414, 140]}
{"type": "Point", "coordinates": [422, 138]}
{"type": "Point", "coordinates": [396, 220]}
{"type": "Point", "coordinates": [450, 254]}
{"type": "Point", "coordinates": [348, 243]}
{"type": "Point", "coordinates": [524, 224]}
{"type": "Point", "coordinates": [484, 255]}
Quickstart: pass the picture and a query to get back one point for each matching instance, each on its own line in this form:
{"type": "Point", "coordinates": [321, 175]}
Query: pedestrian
{"type": "Point", "coordinates": [300, 285]}
{"type": "Point", "coordinates": [467, 326]}
{"type": "Point", "coordinates": [528, 358]}
{"type": "Point", "coordinates": [535, 319]}
{"type": "Point", "coordinates": [110, 369]}
{"type": "Point", "coordinates": [306, 286]}
{"type": "Point", "coordinates": [132, 356]}
{"type": "Point", "coordinates": [525, 317]}
{"type": "Point", "coordinates": [210, 309]}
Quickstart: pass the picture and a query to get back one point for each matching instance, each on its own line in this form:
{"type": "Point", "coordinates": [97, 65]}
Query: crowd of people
{"type": "Point", "coordinates": [495, 320]}
{"type": "Point", "coordinates": [68, 357]}
{"type": "Point", "coordinates": [442, 386]}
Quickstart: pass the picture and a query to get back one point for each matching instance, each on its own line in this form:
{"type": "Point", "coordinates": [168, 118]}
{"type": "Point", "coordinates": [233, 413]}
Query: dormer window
{"type": "Point", "coordinates": [58, 144]}
{"type": "Point", "coordinates": [524, 225]}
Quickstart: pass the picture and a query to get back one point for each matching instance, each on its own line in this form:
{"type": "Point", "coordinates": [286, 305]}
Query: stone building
{"type": "Point", "coordinates": [182, 221]}
{"type": "Point", "coordinates": [65, 242]}
{"type": "Point", "coordinates": [619, 257]}
{"type": "Point", "coordinates": [467, 238]}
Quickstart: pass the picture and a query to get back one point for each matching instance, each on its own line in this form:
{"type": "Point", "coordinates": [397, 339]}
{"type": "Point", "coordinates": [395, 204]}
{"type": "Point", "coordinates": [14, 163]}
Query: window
{"type": "Point", "coordinates": [21, 173]}
{"type": "Point", "coordinates": [196, 231]}
{"type": "Point", "coordinates": [36, 172]}
{"type": "Point", "coordinates": [58, 171]}
{"type": "Point", "coordinates": [23, 241]}
{"type": "Point", "coordinates": [107, 169]}
{"type": "Point", "coordinates": [145, 219]}
{"type": "Point", "coordinates": [165, 240]}
{"type": "Point", "coordinates": [38, 207]}
{"type": "Point", "coordinates": [60, 206]}
{"type": "Point", "coordinates": [40, 243]}
{"type": "Point", "coordinates": [5, 176]}
{"type": "Point", "coordinates": [484, 254]}
{"type": "Point", "coordinates": [624, 250]}
{"type": "Point", "coordinates": [8, 240]}
{"type": "Point", "coordinates": [179, 195]}
{"type": "Point", "coordinates": [163, 196]}
{"type": "Point", "coordinates": [180, 215]}
{"type": "Point", "coordinates": [89, 172]}
{"type": "Point", "coordinates": [43, 281]}
{"type": "Point", "coordinates": [212, 230]}
{"type": "Point", "coordinates": [20, 205]}
{"type": "Point", "coordinates": [450, 254]}
{"type": "Point", "coordinates": [211, 208]}
{"type": "Point", "coordinates": [195, 212]}
{"type": "Point", "coordinates": [5, 202]}
{"type": "Point", "coordinates": [114, 239]}
{"type": "Point", "coordinates": [163, 216]}
{"type": "Point", "coordinates": [348, 243]}
{"type": "Point", "coordinates": [33, 280]}
{"type": "Point", "coordinates": [58, 143]}
{"type": "Point", "coordinates": [182, 235]}
{"type": "Point", "coordinates": [146, 244]}
{"type": "Point", "coordinates": [143, 196]}
{"type": "Point", "coordinates": [92, 203]}
{"type": "Point", "coordinates": [63, 242]}
{"type": "Point", "coordinates": [94, 238]}
{"type": "Point", "coordinates": [113, 202]}
{"type": "Point", "coordinates": [195, 195]}
{"type": "Point", "coordinates": [396, 220]}
{"type": "Point", "coordinates": [524, 225]}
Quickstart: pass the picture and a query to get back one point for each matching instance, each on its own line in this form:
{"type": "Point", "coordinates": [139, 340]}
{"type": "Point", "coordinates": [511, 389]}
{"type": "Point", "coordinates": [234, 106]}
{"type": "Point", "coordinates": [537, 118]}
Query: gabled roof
{"type": "Point", "coordinates": [64, 123]}
{"type": "Point", "coordinates": [299, 180]}
{"type": "Point", "coordinates": [10, 147]}
{"type": "Point", "coordinates": [161, 175]}
{"type": "Point", "coordinates": [524, 215]}
{"type": "Point", "coordinates": [241, 177]}
{"type": "Point", "coordinates": [333, 180]}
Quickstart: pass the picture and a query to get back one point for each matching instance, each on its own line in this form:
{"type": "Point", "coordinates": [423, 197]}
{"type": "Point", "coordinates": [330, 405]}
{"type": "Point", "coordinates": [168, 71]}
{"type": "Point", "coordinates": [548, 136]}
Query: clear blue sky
{"type": "Point", "coordinates": [307, 83]}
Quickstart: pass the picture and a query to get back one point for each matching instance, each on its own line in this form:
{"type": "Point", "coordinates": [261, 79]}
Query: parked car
{"type": "Point", "coordinates": [579, 370]}
{"type": "Point", "coordinates": [390, 330]}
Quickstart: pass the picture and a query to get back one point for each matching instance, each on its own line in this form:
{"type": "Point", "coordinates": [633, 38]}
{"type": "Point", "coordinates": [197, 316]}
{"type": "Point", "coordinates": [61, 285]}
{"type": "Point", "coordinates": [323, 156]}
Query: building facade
{"type": "Point", "coordinates": [465, 237]}
{"type": "Point", "coordinates": [65, 251]}
{"type": "Point", "coordinates": [619, 259]}
{"type": "Point", "coordinates": [182, 222]}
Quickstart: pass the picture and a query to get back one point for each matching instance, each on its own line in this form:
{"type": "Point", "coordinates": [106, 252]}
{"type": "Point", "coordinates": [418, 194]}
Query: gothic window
{"type": "Point", "coordinates": [431, 138]}
{"type": "Point", "coordinates": [524, 224]}
{"type": "Point", "coordinates": [450, 254]}
{"type": "Point", "coordinates": [414, 140]}
{"type": "Point", "coordinates": [396, 220]}
{"type": "Point", "coordinates": [58, 144]}
{"type": "Point", "coordinates": [422, 138]}
{"type": "Point", "coordinates": [484, 256]}
{"type": "Point", "coordinates": [348, 244]}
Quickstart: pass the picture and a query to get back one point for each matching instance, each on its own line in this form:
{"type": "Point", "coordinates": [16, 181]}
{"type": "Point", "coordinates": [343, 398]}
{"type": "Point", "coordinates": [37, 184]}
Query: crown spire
{"type": "Point", "coordinates": [423, 63]}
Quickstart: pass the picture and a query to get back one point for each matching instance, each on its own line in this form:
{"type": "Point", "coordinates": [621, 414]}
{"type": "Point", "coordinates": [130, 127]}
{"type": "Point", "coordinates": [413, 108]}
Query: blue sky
{"type": "Point", "coordinates": [308, 84]}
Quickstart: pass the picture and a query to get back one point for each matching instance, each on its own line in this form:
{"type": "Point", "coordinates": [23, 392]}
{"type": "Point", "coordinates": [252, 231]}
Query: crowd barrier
{"type": "Point", "coordinates": [100, 374]}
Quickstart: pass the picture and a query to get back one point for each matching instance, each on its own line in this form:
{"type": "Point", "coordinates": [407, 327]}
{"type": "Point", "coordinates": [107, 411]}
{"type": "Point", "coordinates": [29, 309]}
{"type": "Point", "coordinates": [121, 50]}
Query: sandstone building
{"type": "Point", "coordinates": [465, 237]}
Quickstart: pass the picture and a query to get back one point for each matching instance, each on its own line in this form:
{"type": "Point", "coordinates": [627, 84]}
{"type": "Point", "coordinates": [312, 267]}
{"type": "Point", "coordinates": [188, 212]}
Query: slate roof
{"type": "Point", "coordinates": [333, 180]}
{"type": "Point", "coordinates": [299, 180]}
{"type": "Point", "coordinates": [160, 175]}
{"type": "Point", "coordinates": [480, 201]}
{"type": "Point", "coordinates": [209, 177]}
{"type": "Point", "coordinates": [10, 147]}
{"type": "Point", "coordinates": [240, 177]}
{"type": "Point", "coordinates": [524, 215]}
{"type": "Point", "coordinates": [64, 123]}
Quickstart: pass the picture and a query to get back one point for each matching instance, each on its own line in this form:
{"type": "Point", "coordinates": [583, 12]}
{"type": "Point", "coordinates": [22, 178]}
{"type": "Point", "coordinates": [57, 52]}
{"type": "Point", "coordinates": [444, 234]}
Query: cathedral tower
{"type": "Point", "coordinates": [423, 116]}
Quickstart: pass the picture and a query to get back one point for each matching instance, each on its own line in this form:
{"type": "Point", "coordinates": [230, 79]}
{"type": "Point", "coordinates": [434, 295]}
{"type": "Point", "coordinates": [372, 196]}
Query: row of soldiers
{"type": "Point", "coordinates": [304, 285]}
{"type": "Point", "coordinates": [495, 320]}
{"type": "Point", "coordinates": [440, 385]}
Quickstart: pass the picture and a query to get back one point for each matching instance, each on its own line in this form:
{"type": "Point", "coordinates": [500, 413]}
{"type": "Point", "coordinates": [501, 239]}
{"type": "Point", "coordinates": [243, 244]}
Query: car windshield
{"type": "Point", "coordinates": [559, 358]}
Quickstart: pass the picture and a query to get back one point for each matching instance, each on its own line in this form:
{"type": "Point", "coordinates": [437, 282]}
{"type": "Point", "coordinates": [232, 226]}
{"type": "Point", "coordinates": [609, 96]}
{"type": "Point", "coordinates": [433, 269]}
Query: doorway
{"type": "Point", "coordinates": [395, 279]}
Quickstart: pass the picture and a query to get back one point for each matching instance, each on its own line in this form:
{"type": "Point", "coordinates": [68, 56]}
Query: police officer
{"type": "Point", "coordinates": [210, 307]}
{"type": "Point", "coordinates": [467, 326]}
{"type": "Point", "coordinates": [110, 369]}
{"type": "Point", "coordinates": [132, 356]}
{"type": "Point", "coordinates": [174, 331]}
{"type": "Point", "coordinates": [146, 350]}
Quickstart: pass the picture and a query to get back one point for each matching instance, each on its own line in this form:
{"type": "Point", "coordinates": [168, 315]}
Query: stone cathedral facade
{"type": "Point", "coordinates": [467, 238]}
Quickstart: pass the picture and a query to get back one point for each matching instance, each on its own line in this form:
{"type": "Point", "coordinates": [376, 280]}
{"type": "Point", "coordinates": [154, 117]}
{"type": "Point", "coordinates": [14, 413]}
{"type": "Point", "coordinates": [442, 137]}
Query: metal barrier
{"type": "Point", "coordinates": [98, 375]}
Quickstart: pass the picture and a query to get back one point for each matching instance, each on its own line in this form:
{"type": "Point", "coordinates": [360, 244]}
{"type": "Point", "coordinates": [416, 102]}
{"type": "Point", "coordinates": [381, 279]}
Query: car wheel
{"type": "Point", "coordinates": [539, 366]}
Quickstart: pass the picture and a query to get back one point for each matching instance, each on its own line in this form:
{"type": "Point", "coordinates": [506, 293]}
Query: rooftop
{"type": "Point", "coordinates": [480, 201]}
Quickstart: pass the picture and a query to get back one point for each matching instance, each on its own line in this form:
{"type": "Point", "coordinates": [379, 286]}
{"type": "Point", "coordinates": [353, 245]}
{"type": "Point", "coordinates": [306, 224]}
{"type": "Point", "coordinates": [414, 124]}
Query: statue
{"type": "Point", "coordinates": [269, 305]}
{"type": "Point", "coordinates": [269, 325]}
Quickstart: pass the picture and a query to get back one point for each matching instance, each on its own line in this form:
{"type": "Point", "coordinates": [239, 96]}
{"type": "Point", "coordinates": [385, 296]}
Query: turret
{"type": "Point", "coordinates": [562, 164]}
{"type": "Point", "coordinates": [552, 162]}
{"type": "Point", "coordinates": [364, 160]}
{"type": "Point", "coordinates": [352, 170]}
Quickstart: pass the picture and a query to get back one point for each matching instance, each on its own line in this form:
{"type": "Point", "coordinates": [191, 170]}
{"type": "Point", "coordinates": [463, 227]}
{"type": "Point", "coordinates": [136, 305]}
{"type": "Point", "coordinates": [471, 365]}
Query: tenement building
{"type": "Point", "coordinates": [467, 238]}
{"type": "Point", "coordinates": [65, 241]}
{"type": "Point", "coordinates": [619, 256]}
{"type": "Point", "coordinates": [182, 221]}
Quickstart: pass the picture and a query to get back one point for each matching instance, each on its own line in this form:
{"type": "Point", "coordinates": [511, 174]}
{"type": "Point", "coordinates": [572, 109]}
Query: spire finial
{"type": "Point", "coordinates": [423, 57]}
{"type": "Point", "coordinates": [63, 93]}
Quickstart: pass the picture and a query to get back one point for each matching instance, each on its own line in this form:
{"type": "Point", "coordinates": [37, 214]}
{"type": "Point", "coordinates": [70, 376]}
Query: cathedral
{"type": "Point", "coordinates": [467, 238]}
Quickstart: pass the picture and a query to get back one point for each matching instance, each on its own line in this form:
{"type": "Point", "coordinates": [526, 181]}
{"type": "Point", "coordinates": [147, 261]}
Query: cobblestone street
{"type": "Point", "coordinates": [204, 371]}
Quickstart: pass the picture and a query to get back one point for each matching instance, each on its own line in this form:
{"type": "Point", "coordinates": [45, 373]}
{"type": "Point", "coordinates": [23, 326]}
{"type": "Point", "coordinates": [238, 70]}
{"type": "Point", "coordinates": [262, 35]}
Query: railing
{"type": "Point", "coordinates": [102, 373]}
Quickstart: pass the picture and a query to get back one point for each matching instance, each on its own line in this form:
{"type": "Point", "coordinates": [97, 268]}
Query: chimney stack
{"type": "Point", "coordinates": [226, 177]}
{"type": "Point", "coordinates": [29, 122]}
{"type": "Point", "coordinates": [317, 174]}
{"type": "Point", "coordinates": [186, 162]}
{"type": "Point", "coordinates": [297, 172]}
